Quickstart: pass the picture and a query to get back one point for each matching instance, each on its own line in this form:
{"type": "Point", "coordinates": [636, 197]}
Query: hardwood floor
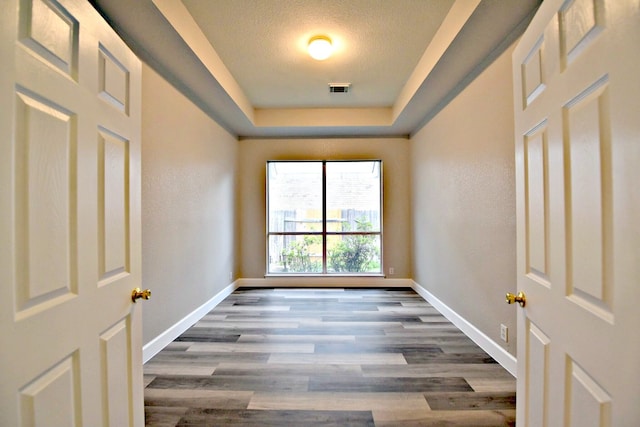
{"type": "Point", "coordinates": [326, 357]}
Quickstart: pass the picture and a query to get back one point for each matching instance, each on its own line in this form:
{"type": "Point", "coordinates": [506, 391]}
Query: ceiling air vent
{"type": "Point", "coordinates": [339, 87]}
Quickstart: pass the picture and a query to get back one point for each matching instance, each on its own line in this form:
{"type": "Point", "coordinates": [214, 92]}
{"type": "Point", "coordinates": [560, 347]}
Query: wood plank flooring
{"type": "Point", "coordinates": [326, 357]}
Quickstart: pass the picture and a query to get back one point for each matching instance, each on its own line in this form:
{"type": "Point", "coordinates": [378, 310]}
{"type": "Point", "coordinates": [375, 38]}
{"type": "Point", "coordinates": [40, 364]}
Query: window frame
{"type": "Point", "coordinates": [325, 233]}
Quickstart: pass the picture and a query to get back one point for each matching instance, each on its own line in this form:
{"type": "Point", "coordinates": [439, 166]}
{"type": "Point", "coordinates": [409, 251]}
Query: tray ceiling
{"type": "Point", "coordinates": [244, 62]}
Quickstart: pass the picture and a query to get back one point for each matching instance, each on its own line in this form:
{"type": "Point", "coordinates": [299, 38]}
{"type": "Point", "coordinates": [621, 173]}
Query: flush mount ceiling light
{"type": "Point", "coordinates": [320, 47]}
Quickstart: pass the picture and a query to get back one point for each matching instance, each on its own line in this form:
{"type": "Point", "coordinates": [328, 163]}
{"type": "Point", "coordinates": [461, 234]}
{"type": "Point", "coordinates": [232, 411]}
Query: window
{"type": "Point", "coordinates": [324, 217]}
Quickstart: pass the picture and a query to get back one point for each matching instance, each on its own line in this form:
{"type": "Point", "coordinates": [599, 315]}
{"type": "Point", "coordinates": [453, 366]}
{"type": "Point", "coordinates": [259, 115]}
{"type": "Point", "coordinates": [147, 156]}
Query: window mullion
{"type": "Point", "coordinates": [324, 217]}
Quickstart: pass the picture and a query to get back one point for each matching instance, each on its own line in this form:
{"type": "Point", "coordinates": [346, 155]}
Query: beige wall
{"type": "Point", "coordinates": [449, 207]}
{"type": "Point", "coordinates": [393, 152]}
{"type": "Point", "coordinates": [463, 203]}
{"type": "Point", "coordinates": [189, 237]}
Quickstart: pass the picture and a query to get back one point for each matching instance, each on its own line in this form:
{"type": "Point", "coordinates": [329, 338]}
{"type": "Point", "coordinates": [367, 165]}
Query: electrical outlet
{"type": "Point", "coordinates": [231, 275]}
{"type": "Point", "coordinates": [504, 333]}
{"type": "Point", "coordinates": [392, 271]}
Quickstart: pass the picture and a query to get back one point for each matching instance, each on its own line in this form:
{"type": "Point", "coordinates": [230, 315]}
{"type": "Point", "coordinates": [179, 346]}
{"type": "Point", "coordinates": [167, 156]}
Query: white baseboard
{"type": "Point", "coordinates": [502, 356]}
{"type": "Point", "coordinates": [323, 281]}
{"type": "Point", "coordinates": [154, 346]}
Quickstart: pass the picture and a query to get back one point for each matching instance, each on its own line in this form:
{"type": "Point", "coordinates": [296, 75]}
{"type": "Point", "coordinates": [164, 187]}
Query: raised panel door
{"type": "Point", "coordinates": [70, 336]}
{"type": "Point", "coordinates": [576, 91]}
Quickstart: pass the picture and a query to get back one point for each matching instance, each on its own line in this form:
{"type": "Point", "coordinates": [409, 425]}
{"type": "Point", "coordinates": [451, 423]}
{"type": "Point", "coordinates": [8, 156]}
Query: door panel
{"type": "Point", "coordinates": [533, 74]}
{"type": "Point", "coordinates": [580, 23]}
{"type": "Point", "coordinates": [113, 205]}
{"type": "Point", "coordinates": [113, 81]}
{"type": "Point", "coordinates": [589, 404]}
{"type": "Point", "coordinates": [53, 398]}
{"type": "Point", "coordinates": [70, 196]}
{"type": "Point", "coordinates": [114, 346]}
{"type": "Point", "coordinates": [537, 374]}
{"type": "Point", "coordinates": [45, 250]}
{"type": "Point", "coordinates": [576, 101]}
{"type": "Point", "coordinates": [588, 199]}
{"type": "Point", "coordinates": [48, 30]}
{"type": "Point", "coordinates": [537, 195]}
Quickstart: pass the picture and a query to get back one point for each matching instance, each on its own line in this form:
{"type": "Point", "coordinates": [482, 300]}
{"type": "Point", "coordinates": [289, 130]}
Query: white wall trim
{"type": "Point", "coordinates": [154, 346]}
{"type": "Point", "coordinates": [324, 281]}
{"type": "Point", "coordinates": [502, 356]}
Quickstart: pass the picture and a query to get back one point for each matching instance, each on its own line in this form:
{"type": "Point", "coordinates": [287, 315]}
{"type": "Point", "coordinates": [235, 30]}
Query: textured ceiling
{"type": "Point", "coordinates": [244, 61]}
{"type": "Point", "coordinates": [263, 44]}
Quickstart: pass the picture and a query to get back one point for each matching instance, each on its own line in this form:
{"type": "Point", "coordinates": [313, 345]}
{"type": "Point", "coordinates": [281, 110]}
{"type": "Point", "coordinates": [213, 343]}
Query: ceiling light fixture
{"type": "Point", "coordinates": [320, 47]}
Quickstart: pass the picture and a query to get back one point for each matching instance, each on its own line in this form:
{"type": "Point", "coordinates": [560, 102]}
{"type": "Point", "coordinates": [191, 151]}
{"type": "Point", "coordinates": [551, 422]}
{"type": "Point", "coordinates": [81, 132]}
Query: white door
{"type": "Point", "coordinates": [70, 338]}
{"type": "Point", "coordinates": [577, 118]}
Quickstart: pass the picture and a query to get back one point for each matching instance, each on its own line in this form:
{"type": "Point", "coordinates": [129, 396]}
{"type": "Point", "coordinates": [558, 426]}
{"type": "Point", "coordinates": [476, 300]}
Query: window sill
{"type": "Point", "coordinates": [294, 275]}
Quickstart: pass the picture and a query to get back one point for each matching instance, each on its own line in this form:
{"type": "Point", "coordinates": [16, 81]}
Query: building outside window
{"type": "Point", "coordinates": [324, 217]}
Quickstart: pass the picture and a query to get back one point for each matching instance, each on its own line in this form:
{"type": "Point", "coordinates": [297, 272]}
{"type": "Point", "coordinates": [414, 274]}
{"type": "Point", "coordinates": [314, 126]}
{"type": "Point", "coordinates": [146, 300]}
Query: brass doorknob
{"type": "Point", "coordinates": [520, 298]}
{"type": "Point", "coordinates": [137, 294]}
